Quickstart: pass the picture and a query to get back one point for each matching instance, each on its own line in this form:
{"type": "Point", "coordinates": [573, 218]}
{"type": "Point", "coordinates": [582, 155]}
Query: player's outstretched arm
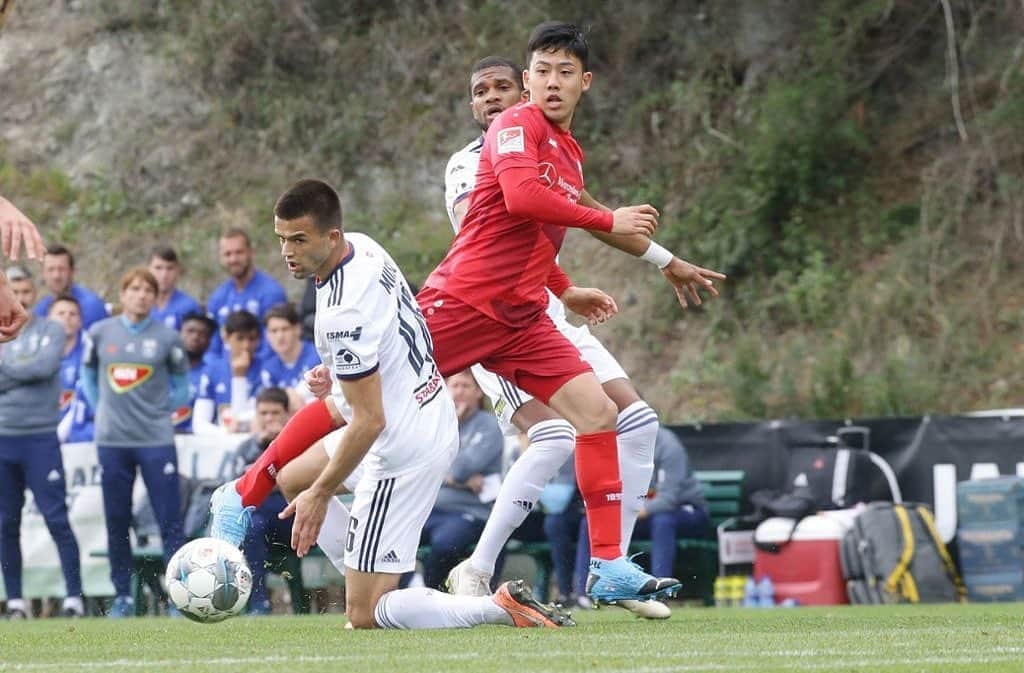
{"type": "Point", "coordinates": [368, 421]}
{"type": "Point", "coordinates": [686, 278]}
{"type": "Point", "coordinates": [15, 230]}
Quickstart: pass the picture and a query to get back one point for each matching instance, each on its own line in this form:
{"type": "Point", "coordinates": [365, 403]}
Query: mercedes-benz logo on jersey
{"type": "Point", "coordinates": [547, 173]}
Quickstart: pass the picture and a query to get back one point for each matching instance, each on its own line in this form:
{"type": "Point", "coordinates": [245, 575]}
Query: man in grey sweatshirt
{"type": "Point", "coordinates": [29, 450]}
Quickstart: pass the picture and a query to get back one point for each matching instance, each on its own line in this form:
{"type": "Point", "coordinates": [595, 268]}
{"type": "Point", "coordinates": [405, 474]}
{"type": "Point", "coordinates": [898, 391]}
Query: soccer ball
{"type": "Point", "coordinates": [208, 580]}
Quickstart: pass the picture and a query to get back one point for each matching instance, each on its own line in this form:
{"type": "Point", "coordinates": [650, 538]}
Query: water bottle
{"type": "Point", "coordinates": [766, 593]}
{"type": "Point", "coordinates": [750, 596]}
{"type": "Point", "coordinates": [735, 591]}
{"type": "Point", "coordinates": [721, 592]}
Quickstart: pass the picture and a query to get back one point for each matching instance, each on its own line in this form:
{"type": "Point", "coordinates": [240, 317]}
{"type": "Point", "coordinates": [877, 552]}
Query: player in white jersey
{"type": "Point", "coordinates": [379, 381]}
{"type": "Point", "coordinates": [495, 86]}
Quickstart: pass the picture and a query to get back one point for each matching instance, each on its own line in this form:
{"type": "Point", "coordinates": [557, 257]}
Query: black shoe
{"type": "Point", "coordinates": [16, 614]}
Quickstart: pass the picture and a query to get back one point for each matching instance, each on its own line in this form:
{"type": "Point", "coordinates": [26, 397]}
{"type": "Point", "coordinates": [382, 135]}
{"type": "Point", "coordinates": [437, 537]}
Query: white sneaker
{"type": "Point", "coordinates": [465, 580]}
{"type": "Point", "coordinates": [72, 607]}
{"type": "Point", "coordinates": [646, 609]}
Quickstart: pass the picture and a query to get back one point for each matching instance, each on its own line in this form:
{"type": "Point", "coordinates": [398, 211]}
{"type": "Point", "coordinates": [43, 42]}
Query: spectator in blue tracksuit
{"type": "Point", "coordinates": [77, 417]}
{"type": "Point", "coordinates": [459, 515]}
{"type": "Point", "coordinates": [675, 508]}
{"type": "Point", "coordinates": [65, 310]}
{"type": "Point", "coordinates": [59, 277]}
{"type": "Point", "coordinates": [248, 288]}
{"type": "Point", "coordinates": [228, 386]}
{"type": "Point", "coordinates": [265, 529]}
{"type": "Point", "coordinates": [290, 356]}
{"type": "Point", "coordinates": [29, 450]}
{"type": "Point", "coordinates": [197, 330]}
{"type": "Point", "coordinates": [135, 373]}
{"type": "Point", "coordinates": [172, 305]}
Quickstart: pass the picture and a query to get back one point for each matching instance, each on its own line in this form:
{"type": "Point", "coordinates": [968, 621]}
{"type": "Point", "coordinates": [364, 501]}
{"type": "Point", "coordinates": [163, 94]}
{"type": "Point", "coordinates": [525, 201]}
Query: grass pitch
{"type": "Point", "coordinates": [881, 639]}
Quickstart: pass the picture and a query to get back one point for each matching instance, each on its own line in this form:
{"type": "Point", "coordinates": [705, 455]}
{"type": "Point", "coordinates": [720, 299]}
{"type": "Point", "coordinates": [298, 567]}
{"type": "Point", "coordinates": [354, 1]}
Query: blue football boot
{"type": "Point", "coordinates": [622, 580]}
{"type": "Point", "coordinates": [123, 606]}
{"type": "Point", "coordinates": [229, 518]}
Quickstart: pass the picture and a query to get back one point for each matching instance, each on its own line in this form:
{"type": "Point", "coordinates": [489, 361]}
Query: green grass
{"type": "Point", "coordinates": [930, 638]}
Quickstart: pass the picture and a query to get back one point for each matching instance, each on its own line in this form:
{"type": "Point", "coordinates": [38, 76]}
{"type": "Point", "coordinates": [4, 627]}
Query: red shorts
{"type": "Point", "coordinates": [537, 358]}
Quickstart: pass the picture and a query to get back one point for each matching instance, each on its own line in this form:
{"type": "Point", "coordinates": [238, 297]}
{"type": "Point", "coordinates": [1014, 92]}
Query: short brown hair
{"type": "Point", "coordinates": [285, 311]}
{"type": "Point", "coordinates": [237, 232]}
{"type": "Point", "coordinates": [67, 297]}
{"type": "Point", "coordinates": [314, 198]}
{"type": "Point", "coordinates": [164, 252]}
{"type": "Point", "coordinates": [272, 395]}
{"type": "Point", "coordinates": [139, 273]}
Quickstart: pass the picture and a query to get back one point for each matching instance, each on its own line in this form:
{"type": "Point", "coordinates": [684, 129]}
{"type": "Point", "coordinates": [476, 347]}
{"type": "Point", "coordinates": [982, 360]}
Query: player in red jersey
{"type": "Point", "coordinates": [486, 301]}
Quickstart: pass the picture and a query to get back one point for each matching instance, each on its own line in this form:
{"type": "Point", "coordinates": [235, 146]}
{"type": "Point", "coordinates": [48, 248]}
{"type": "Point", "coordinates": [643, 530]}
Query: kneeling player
{"type": "Point", "coordinates": [400, 423]}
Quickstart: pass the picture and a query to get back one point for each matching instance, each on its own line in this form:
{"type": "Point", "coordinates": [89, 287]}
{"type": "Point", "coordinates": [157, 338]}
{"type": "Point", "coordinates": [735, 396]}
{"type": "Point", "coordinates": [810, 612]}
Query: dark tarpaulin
{"type": "Point", "coordinates": [911, 445]}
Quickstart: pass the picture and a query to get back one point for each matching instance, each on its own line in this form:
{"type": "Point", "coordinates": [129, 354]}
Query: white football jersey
{"type": "Point", "coordinates": [367, 320]}
{"type": "Point", "coordinates": [459, 181]}
{"type": "Point", "coordinates": [460, 177]}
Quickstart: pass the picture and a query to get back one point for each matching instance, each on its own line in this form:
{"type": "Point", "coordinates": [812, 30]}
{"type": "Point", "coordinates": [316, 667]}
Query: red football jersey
{"type": "Point", "coordinates": [499, 263]}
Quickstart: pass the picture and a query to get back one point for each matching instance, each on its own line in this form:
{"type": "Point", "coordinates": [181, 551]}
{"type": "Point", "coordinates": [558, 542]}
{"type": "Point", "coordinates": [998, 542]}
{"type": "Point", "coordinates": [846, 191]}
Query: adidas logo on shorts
{"type": "Point", "coordinates": [526, 505]}
{"type": "Point", "coordinates": [390, 557]}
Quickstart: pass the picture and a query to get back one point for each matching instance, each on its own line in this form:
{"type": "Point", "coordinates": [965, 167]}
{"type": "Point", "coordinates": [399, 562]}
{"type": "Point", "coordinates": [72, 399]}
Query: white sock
{"type": "Point", "coordinates": [429, 609]}
{"type": "Point", "coordinates": [551, 444]}
{"type": "Point", "coordinates": [332, 534]}
{"type": "Point", "coordinates": [16, 604]}
{"type": "Point", "coordinates": [637, 429]}
{"type": "Point", "coordinates": [73, 603]}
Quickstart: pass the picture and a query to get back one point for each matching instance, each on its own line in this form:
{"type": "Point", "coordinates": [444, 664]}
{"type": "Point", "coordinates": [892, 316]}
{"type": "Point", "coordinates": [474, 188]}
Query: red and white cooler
{"type": "Point", "coordinates": [807, 567]}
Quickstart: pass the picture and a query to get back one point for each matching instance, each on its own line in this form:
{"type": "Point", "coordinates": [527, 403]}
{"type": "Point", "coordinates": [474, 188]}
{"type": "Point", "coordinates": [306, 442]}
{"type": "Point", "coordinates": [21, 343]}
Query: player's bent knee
{"type": "Point", "coordinates": [291, 482]}
{"type": "Point", "coordinates": [601, 417]}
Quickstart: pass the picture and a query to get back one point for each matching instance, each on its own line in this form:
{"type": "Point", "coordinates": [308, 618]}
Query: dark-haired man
{"type": "Point", "coordinates": [171, 303]}
{"type": "Point", "coordinates": [197, 330]}
{"type": "Point", "coordinates": [291, 355]}
{"type": "Point", "coordinates": [59, 278]}
{"type": "Point", "coordinates": [230, 382]}
{"type": "Point", "coordinates": [486, 302]}
{"type": "Point", "coordinates": [494, 87]}
{"type": "Point", "coordinates": [378, 379]}
{"type": "Point", "coordinates": [247, 289]}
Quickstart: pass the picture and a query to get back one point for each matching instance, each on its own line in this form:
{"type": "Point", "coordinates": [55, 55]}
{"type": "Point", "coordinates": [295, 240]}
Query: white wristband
{"type": "Point", "coordinates": [657, 255]}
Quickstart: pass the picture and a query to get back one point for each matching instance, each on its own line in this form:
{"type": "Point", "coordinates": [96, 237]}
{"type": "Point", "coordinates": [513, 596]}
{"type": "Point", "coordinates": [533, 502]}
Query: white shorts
{"type": "Point", "coordinates": [387, 514]}
{"type": "Point", "coordinates": [387, 517]}
{"type": "Point", "coordinates": [506, 398]}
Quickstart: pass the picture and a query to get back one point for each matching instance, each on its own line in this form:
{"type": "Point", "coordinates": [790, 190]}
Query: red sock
{"type": "Point", "coordinates": [302, 430]}
{"type": "Point", "coordinates": [597, 473]}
